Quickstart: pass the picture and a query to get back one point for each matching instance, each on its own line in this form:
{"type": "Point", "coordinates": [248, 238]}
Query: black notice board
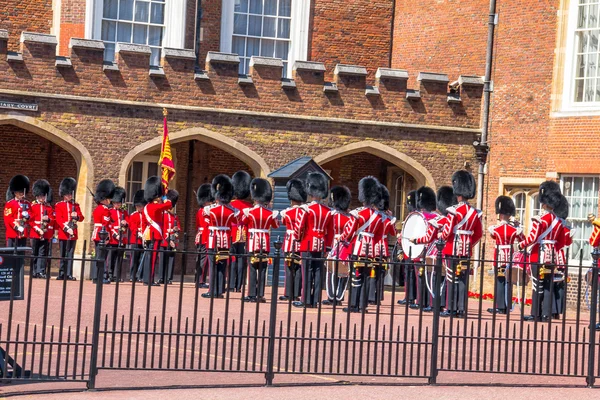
{"type": "Point", "coordinates": [11, 268]}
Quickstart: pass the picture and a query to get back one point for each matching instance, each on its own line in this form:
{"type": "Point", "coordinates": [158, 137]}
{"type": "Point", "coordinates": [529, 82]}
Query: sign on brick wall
{"type": "Point", "coordinates": [11, 105]}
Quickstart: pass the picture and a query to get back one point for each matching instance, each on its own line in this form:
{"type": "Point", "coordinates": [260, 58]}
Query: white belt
{"type": "Point", "coordinates": [219, 228]}
{"type": "Point", "coordinates": [339, 235]}
{"type": "Point", "coordinates": [290, 231]}
{"type": "Point", "coordinates": [367, 234]}
{"type": "Point", "coordinates": [461, 232]}
{"type": "Point", "coordinates": [505, 246]}
{"type": "Point", "coordinates": [254, 230]}
{"type": "Point", "coordinates": [98, 225]}
{"type": "Point", "coordinates": [548, 242]}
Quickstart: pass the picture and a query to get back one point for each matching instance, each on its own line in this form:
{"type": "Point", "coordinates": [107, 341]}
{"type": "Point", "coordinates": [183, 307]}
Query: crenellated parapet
{"type": "Point", "coordinates": [351, 94]}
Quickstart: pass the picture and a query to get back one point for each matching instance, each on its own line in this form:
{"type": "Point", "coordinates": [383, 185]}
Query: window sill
{"type": "Point", "coordinates": [587, 111]}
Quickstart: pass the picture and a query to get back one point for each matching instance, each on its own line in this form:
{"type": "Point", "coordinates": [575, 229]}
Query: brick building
{"type": "Point", "coordinates": [383, 87]}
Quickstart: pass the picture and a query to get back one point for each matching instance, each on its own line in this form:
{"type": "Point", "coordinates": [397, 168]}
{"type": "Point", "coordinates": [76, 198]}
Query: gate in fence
{"type": "Point", "coordinates": [61, 330]}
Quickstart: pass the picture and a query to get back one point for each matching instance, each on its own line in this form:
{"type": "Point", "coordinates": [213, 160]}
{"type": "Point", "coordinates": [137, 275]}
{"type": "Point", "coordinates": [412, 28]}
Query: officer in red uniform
{"type": "Point", "coordinates": [407, 277]}
{"type": "Point", "coordinates": [505, 235]}
{"type": "Point", "coordinates": [41, 222]}
{"type": "Point", "coordinates": [205, 199]}
{"type": "Point", "coordinates": [171, 229]}
{"type": "Point", "coordinates": [137, 224]}
{"type": "Point", "coordinates": [68, 214]}
{"type": "Point", "coordinates": [336, 282]}
{"type": "Point", "coordinates": [382, 253]}
{"type": "Point", "coordinates": [562, 246]}
{"type": "Point", "coordinates": [239, 235]}
{"type": "Point", "coordinates": [363, 232]}
{"type": "Point", "coordinates": [259, 220]}
{"type": "Point", "coordinates": [16, 212]}
{"type": "Point", "coordinates": [156, 205]}
{"type": "Point", "coordinates": [462, 232]}
{"type": "Point", "coordinates": [118, 234]}
{"type": "Point", "coordinates": [291, 246]}
{"type": "Point", "coordinates": [102, 224]}
{"type": "Point", "coordinates": [315, 234]}
{"type": "Point", "coordinates": [222, 217]}
{"type": "Point", "coordinates": [546, 232]}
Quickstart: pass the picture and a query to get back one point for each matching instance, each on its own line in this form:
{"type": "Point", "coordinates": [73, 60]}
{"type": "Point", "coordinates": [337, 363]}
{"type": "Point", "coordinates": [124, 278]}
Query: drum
{"type": "Point", "coordinates": [516, 273]}
{"type": "Point", "coordinates": [339, 256]}
{"type": "Point", "coordinates": [415, 226]}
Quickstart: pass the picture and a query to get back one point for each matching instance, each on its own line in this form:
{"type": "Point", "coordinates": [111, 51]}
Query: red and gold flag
{"type": "Point", "coordinates": [167, 166]}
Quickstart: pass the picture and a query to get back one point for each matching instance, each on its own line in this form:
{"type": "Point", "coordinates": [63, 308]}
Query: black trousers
{"type": "Point", "coordinates": [237, 275]}
{"type": "Point", "coordinates": [375, 282]}
{"type": "Point", "coordinates": [503, 292]}
{"type": "Point", "coordinates": [150, 261]}
{"type": "Point", "coordinates": [293, 277]}
{"type": "Point", "coordinates": [40, 249]}
{"type": "Point", "coordinates": [312, 272]}
{"type": "Point", "coordinates": [165, 267]}
{"type": "Point", "coordinates": [359, 291]}
{"type": "Point", "coordinates": [258, 279]}
{"type": "Point", "coordinates": [135, 267]}
{"type": "Point", "coordinates": [456, 284]}
{"type": "Point", "coordinates": [115, 255]}
{"type": "Point", "coordinates": [423, 277]}
{"type": "Point", "coordinates": [217, 274]}
{"type": "Point", "coordinates": [202, 264]}
{"type": "Point", "coordinates": [547, 298]}
{"type": "Point", "coordinates": [67, 250]}
{"type": "Point", "coordinates": [101, 253]}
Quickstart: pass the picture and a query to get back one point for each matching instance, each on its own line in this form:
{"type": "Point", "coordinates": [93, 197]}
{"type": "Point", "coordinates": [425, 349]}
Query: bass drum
{"type": "Point", "coordinates": [339, 257]}
{"type": "Point", "coordinates": [415, 226]}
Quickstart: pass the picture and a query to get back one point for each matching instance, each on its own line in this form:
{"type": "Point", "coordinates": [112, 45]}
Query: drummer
{"type": "Point", "coordinates": [407, 272]}
{"type": "Point", "coordinates": [505, 235]}
{"type": "Point", "coordinates": [559, 289]}
{"type": "Point", "coordinates": [382, 253]}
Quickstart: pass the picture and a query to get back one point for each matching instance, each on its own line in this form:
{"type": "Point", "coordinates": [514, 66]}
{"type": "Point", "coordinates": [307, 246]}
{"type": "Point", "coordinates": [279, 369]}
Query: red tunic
{"type": "Point", "coordinates": [137, 224]}
{"type": "Point", "coordinates": [259, 220]}
{"type": "Point", "coordinates": [222, 217]}
{"type": "Point", "coordinates": [101, 217]}
{"type": "Point", "coordinates": [116, 216]}
{"type": "Point", "coordinates": [202, 222]}
{"type": "Point", "coordinates": [340, 220]}
{"type": "Point", "coordinates": [154, 219]}
{"type": "Point", "coordinates": [314, 227]}
{"type": "Point", "coordinates": [290, 217]}
{"type": "Point", "coordinates": [389, 229]}
{"type": "Point", "coordinates": [595, 237]}
{"type": "Point", "coordinates": [561, 252]}
{"type": "Point", "coordinates": [13, 212]}
{"type": "Point", "coordinates": [545, 237]}
{"type": "Point", "coordinates": [37, 211]}
{"type": "Point", "coordinates": [462, 231]}
{"type": "Point", "coordinates": [434, 225]}
{"type": "Point", "coordinates": [170, 226]}
{"type": "Point", "coordinates": [239, 232]}
{"type": "Point", "coordinates": [63, 210]}
{"type": "Point", "coordinates": [364, 231]}
{"type": "Point", "coordinates": [505, 235]}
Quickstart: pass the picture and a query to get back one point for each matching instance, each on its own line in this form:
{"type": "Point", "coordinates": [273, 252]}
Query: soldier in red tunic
{"type": "Point", "coordinates": [153, 234]}
{"type": "Point", "coordinates": [222, 218]}
{"type": "Point", "coordinates": [382, 252]}
{"type": "Point", "coordinates": [102, 223]}
{"type": "Point", "coordinates": [118, 234]}
{"type": "Point", "coordinates": [363, 232]}
{"type": "Point", "coordinates": [137, 224]}
{"type": "Point", "coordinates": [171, 229]}
{"type": "Point", "coordinates": [68, 214]}
{"type": "Point", "coordinates": [259, 220]}
{"type": "Point", "coordinates": [239, 235]}
{"type": "Point", "coordinates": [546, 233]}
{"type": "Point", "coordinates": [42, 222]}
{"type": "Point", "coordinates": [562, 245]}
{"type": "Point", "coordinates": [462, 232]}
{"type": "Point", "coordinates": [16, 214]}
{"type": "Point", "coordinates": [406, 276]}
{"type": "Point", "coordinates": [505, 235]}
{"type": "Point", "coordinates": [291, 246]}
{"type": "Point", "coordinates": [336, 282]}
{"type": "Point", "coordinates": [205, 199]}
{"type": "Point", "coordinates": [315, 234]}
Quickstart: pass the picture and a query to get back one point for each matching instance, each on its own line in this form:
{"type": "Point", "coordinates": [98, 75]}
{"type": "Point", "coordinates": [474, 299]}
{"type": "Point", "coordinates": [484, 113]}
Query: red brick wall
{"type": "Point", "coordinates": [573, 145]}
{"type": "Point", "coordinates": [72, 23]}
{"type": "Point", "coordinates": [25, 15]}
{"type": "Point", "coordinates": [351, 32]}
{"type": "Point", "coordinates": [211, 25]}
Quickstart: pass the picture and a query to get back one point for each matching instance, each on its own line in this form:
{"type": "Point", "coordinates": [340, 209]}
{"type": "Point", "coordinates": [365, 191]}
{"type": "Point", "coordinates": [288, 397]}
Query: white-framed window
{"type": "Point", "coordinates": [267, 28]}
{"type": "Point", "coordinates": [581, 192]}
{"type": "Point", "coordinates": [155, 23]}
{"type": "Point", "coordinates": [140, 169]}
{"type": "Point", "coordinates": [526, 204]}
{"type": "Point", "coordinates": [520, 199]}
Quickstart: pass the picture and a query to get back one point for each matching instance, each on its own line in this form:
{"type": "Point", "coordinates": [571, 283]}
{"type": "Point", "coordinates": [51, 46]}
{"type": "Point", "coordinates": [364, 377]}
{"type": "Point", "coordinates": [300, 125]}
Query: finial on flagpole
{"type": "Point", "coordinates": [165, 112]}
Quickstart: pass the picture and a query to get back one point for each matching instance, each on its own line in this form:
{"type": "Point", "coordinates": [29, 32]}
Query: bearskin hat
{"type": "Point", "coordinates": [241, 185]}
{"type": "Point", "coordinates": [426, 199]}
{"type": "Point", "coordinates": [316, 185]}
{"type": "Point", "coordinates": [411, 201]}
{"type": "Point", "coordinates": [445, 199]}
{"type": "Point", "coordinates": [104, 190]}
{"type": "Point", "coordinates": [261, 190]}
{"type": "Point", "coordinates": [384, 204]}
{"type": "Point", "coordinates": [152, 189]}
{"type": "Point", "coordinates": [203, 195]}
{"type": "Point", "coordinates": [505, 205]}
{"type": "Point", "coordinates": [369, 191]}
{"type": "Point", "coordinates": [340, 198]}
{"type": "Point", "coordinates": [119, 195]}
{"type": "Point", "coordinates": [222, 188]}
{"type": "Point", "coordinates": [296, 190]}
{"type": "Point", "coordinates": [562, 210]}
{"type": "Point", "coordinates": [138, 198]}
{"type": "Point", "coordinates": [41, 187]}
{"type": "Point", "coordinates": [173, 195]}
{"type": "Point", "coordinates": [550, 194]}
{"type": "Point", "coordinates": [50, 196]}
{"type": "Point", "coordinates": [463, 184]}
{"type": "Point", "coordinates": [18, 183]}
{"type": "Point", "coordinates": [67, 186]}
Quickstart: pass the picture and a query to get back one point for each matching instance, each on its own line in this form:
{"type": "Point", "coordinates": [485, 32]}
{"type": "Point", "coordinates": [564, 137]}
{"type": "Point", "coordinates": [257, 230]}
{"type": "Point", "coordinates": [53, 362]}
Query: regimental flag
{"type": "Point", "coordinates": [167, 166]}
